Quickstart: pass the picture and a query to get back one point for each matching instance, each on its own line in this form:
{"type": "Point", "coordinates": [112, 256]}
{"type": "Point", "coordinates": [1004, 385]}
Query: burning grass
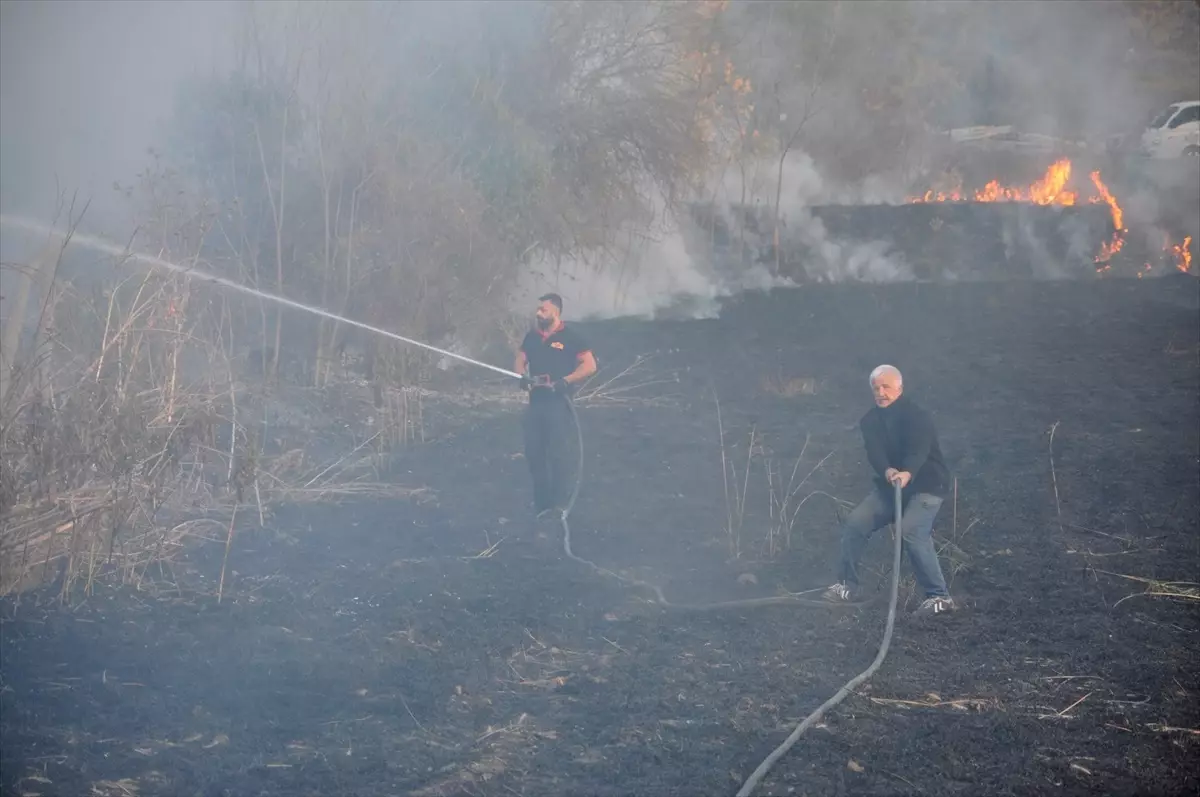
{"type": "Point", "coordinates": [1050, 189]}
{"type": "Point", "coordinates": [1055, 188]}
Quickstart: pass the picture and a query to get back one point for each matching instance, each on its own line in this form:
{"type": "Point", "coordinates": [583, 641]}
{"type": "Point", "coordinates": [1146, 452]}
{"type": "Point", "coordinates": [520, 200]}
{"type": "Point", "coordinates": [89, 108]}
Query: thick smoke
{"type": "Point", "coordinates": [827, 259]}
{"type": "Point", "coordinates": [671, 271]}
{"type": "Point", "coordinates": [656, 272]}
{"type": "Point", "coordinates": [1065, 71]}
{"type": "Point", "coordinates": [85, 88]}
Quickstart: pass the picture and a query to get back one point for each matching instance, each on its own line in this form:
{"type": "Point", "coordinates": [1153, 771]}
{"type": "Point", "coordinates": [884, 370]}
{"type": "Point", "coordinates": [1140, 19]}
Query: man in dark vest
{"type": "Point", "coordinates": [555, 361]}
{"type": "Point", "coordinates": [902, 447]}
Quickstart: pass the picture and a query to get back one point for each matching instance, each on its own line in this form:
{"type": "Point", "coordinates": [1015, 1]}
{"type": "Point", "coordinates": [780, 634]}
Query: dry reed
{"type": "Point", "coordinates": [124, 419]}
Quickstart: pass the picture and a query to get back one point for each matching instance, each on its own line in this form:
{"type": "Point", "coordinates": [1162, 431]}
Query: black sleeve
{"type": "Point", "coordinates": [874, 443]}
{"type": "Point", "coordinates": [526, 343]}
{"type": "Point", "coordinates": [918, 440]}
{"type": "Point", "coordinates": [579, 346]}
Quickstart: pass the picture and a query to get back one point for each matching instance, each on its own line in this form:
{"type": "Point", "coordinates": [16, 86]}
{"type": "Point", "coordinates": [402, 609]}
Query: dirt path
{"type": "Point", "coordinates": [370, 649]}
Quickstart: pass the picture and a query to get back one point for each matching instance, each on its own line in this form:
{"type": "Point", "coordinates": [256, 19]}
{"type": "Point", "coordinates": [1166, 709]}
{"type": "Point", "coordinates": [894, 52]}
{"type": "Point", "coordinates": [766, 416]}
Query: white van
{"type": "Point", "coordinates": [1175, 132]}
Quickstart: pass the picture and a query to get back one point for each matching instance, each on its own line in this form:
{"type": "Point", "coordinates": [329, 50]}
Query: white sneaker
{"type": "Point", "coordinates": [839, 593]}
{"type": "Point", "coordinates": [936, 605]}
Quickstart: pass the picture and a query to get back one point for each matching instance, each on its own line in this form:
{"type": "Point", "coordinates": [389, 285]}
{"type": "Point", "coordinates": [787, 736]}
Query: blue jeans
{"type": "Point", "coordinates": [876, 511]}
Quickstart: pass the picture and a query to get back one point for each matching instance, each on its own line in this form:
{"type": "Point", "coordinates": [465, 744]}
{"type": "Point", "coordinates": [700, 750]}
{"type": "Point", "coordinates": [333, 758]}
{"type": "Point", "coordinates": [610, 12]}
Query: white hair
{"type": "Point", "coordinates": [886, 369]}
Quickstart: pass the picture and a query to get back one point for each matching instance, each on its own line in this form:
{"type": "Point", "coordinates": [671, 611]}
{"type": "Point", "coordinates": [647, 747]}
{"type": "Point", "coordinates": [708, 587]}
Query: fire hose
{"type": "Point", "coordinates": [761, 771]}
{"type": "Point", "coordinates": [856, 681]}
{"type": "Point", "coordinates": [106, 246]}
{"type": "Point", "coordinates": [659, 597]}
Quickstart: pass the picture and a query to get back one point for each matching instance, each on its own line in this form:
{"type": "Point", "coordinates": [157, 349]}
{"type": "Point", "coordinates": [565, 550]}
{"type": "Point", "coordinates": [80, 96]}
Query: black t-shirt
{"type": "Point", "coordinates": [555, 355]}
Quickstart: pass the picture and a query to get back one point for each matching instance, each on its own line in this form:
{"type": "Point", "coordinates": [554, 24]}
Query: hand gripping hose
{"type": "Point", "coordinates": [853, 683]}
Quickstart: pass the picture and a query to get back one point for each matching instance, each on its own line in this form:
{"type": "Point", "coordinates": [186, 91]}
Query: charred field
{"type": "Point", "coordinates": [443, 646]}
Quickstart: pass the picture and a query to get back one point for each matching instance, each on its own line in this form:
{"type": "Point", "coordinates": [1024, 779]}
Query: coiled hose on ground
{"type": "Point", "coordinates": [761, 771]}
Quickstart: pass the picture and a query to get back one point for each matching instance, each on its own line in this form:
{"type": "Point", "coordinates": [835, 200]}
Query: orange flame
{"type": "Point", "coordinates": [1110, 248]}
{"type": "Point", "coordinates": [940, 196]}
{"type": "Point", "coordinates": [1107, 250]}
{"type": "Point", "coordinates": [1106, 196]}
{"type": "Point", "coordinates": [1183, 254]}
{"type": "Point", "coordinates": [1051, 189]}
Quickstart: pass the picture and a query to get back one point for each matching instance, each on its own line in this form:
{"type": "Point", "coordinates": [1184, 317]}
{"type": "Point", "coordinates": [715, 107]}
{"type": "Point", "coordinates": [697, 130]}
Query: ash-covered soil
{"type": "Point", "coordinates": [437, 646]}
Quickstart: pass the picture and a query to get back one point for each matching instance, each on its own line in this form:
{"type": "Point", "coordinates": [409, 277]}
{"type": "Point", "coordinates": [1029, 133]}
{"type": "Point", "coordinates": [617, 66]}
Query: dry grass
{"type": "Point", "coordinates": [402, 417]}
{"type": "Point", "coordinates": [537, 665]}
{"type": "Point", "coordinates": [87, 534]}
{"type": "Point", "coordinates": [951, 551]}
{"type": "Point", "coordinates": [104, 439]}
{"type": "Point", "coordinates": [1155, 588]}
{"type": "Point", "coordinates": [785, 499]}
{"type": "Point", "coordinates": [933, 700]}
{"type": "Point", "coordinates": [494, 749]}
{"type": "Point", "coordinates": [125, 417]}
{"type": "Point", "coordinates": [1185, 591]}
{"type": "Point", "coordinates": [290, 478]}
{"type": "Point", "coordinates": [735, 495]}
{"type": "Point", "coordinates": [1054, 478]}
{"type": "Point", "coordinates": [626, 387]}
{"type": "Point", "coordinates": [789, 387]}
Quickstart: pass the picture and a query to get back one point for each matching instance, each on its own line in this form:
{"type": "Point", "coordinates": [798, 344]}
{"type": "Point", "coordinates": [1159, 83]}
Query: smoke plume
{"type": "Point", "coordinates": [669, 270]}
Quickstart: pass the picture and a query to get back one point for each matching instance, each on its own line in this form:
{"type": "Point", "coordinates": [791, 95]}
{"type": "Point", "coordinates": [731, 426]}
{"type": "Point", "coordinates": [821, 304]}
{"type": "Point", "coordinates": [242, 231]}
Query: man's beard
{"type": "Point", "coordinates": [543, 323]}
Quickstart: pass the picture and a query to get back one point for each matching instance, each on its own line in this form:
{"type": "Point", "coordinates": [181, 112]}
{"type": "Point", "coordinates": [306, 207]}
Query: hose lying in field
{"type": "Point", "coordinates": [659, 597]}
{"type": "Point", "coordinates": [853, 683]}
{"type": "Point", "coordinates": [838, 697]}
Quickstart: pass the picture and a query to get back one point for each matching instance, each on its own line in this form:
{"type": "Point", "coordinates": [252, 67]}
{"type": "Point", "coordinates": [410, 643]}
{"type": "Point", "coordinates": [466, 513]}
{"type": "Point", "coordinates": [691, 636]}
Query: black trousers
{"type": "Point", "coordinates": [549, 431]}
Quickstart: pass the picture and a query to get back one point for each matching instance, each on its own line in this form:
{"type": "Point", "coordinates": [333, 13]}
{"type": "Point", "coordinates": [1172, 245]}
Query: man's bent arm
{"type": "Point", "coordinates": [919, 441]}
{"type": "Point", "coordinates": [586, 367]}
{"type": "Point", "coordinates": [520, 363]}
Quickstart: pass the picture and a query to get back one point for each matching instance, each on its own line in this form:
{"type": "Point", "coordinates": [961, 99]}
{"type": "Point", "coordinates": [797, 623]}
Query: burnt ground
{"type": "Point", "coordinates": [386, 647]}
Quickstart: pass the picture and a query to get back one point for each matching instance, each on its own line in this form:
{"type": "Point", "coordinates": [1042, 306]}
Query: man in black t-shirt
{"type": "Point", "coordinates": [555, 360]}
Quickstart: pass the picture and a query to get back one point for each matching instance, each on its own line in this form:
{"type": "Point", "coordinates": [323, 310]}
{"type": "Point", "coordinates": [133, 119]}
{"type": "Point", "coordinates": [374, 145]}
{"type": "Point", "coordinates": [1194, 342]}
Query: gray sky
{"type": "Point", "coordinates": [84, 87]}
